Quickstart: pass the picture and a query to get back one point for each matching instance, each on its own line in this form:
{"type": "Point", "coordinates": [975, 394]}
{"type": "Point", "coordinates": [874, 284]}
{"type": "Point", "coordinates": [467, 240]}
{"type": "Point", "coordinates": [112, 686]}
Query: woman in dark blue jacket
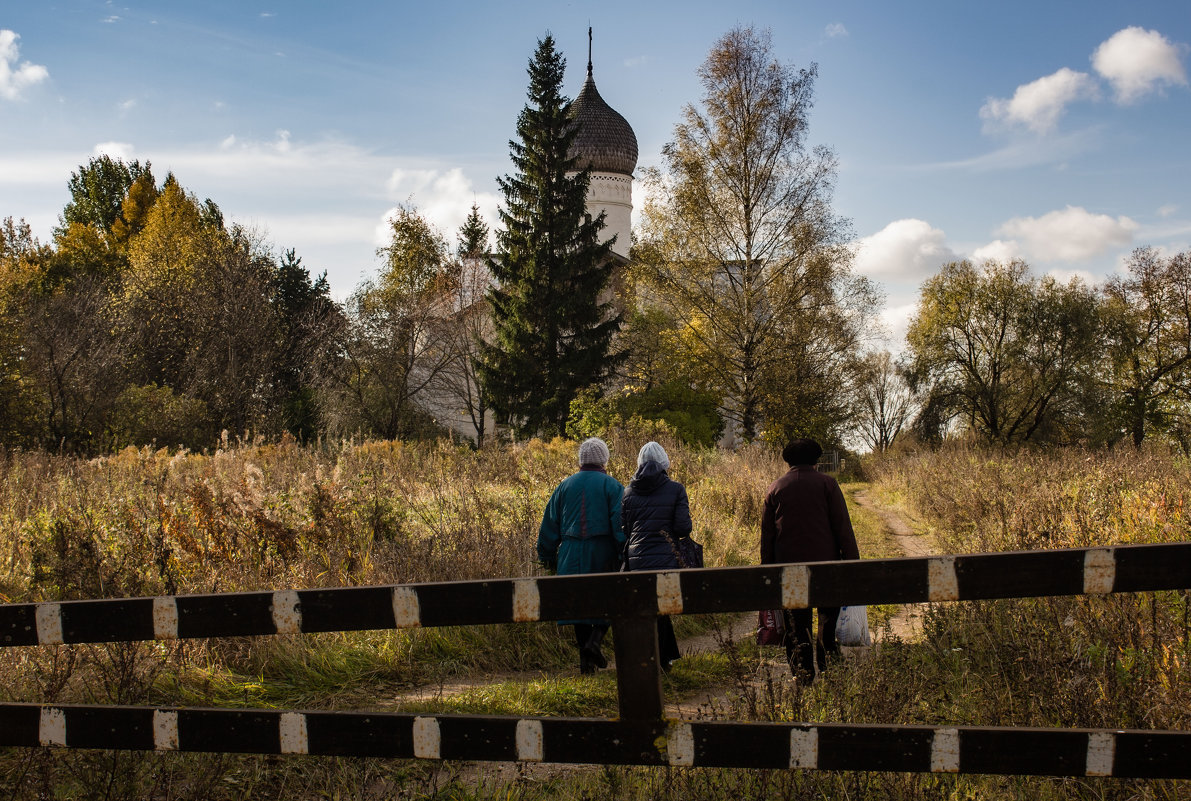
{"type": "Point", "coordinates": [655, 513]}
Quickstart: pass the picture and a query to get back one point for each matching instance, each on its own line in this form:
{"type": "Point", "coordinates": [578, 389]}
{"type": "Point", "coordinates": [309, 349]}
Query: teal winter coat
{"type": "Point", "coordinates": [581, 531]}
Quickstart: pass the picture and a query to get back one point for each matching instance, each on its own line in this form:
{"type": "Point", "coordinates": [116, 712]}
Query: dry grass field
{"type": "Point", "coordinates": [274, 516]}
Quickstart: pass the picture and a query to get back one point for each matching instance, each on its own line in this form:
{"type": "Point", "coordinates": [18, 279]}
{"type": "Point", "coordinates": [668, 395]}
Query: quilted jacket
{"type": "Point", "coordinates": [654, 509]}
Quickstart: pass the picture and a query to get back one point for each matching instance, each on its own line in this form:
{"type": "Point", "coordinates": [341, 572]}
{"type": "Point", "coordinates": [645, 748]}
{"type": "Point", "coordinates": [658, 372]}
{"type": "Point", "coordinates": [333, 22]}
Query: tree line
{"type": "Point", "coordinates": [1009, 358]}
{"type": "Point", "coordinates": [147, 318]}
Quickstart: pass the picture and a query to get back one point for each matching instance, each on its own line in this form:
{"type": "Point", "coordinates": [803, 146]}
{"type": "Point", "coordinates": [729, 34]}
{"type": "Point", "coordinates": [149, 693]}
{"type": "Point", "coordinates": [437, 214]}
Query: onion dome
{"type": "Point", "coordinates": [605, 141]}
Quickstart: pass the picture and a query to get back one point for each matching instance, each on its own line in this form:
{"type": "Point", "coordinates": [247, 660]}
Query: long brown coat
{"type": "Point", "coordinates": [806, 520]}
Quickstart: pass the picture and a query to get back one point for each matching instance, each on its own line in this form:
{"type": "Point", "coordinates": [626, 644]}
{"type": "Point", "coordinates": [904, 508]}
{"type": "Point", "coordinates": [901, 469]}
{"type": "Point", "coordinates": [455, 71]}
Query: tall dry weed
{"type": "Point", "coordinates": [974, 499]}
{"type": "Point", "coordinates": [1117, 661]}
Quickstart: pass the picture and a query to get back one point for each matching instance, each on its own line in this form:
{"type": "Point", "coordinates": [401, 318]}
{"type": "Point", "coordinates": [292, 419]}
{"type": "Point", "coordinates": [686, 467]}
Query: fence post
{"type": "Point", "coordinates": [638, 679]}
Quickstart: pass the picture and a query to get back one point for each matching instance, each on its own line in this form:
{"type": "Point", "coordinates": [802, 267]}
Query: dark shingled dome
{"type": "Point", "coordinates": [605, 140]}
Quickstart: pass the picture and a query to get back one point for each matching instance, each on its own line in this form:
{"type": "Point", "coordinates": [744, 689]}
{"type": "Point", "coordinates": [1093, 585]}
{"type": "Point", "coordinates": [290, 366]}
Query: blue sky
{"type": "Point", "coordinates": [1055, 132]}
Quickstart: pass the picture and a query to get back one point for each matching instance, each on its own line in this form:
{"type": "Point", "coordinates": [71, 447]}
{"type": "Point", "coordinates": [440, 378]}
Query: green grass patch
{"type": "Point", "coordinates": [701, 671]}
{"type": "Point", "coordinates": [570, 696]}
{"type": "Point", "coordinates": [575, 695]}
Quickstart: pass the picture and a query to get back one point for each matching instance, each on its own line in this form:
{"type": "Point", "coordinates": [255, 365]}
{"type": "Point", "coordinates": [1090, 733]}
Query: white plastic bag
{"type": "Point", "coordinates": [852, 627]}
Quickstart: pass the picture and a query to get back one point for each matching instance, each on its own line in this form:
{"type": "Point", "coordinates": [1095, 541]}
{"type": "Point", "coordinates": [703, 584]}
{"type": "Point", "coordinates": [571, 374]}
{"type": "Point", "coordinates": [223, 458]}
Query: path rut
{"type": "Point", "coordinates": [906, 624]}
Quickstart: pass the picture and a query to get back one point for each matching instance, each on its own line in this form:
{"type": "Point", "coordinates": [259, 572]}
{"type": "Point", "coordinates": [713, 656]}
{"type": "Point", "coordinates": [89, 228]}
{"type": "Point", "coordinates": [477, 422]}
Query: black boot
{"type": "Point", "coordinates": [591, 649]}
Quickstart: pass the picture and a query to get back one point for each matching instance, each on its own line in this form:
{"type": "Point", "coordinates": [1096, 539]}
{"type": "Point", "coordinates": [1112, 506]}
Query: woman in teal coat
{"type": "Point", "coordinates": [581, 533]}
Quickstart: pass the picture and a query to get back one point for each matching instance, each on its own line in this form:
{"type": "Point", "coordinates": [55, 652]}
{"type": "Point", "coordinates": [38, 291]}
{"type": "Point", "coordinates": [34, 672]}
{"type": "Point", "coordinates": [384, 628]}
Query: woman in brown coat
{"type": "Point", "coordinates": [805, 519]}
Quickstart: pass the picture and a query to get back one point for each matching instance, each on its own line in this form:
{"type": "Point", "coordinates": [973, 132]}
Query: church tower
{"type": "Point", "coordinates": [607, 144]}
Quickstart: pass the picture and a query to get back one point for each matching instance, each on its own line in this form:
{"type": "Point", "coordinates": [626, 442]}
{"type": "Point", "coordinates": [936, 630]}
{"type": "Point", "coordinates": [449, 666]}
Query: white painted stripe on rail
{"type": "Point", "coordinates": [51, 728]}
{"type": "Point", "coordinates": [1101, 749]}
{"type": "Point", "coordinates": [287, 617]}
{"type": "Point", "coordinates": [165, 730]}
{"type": "Point", "coordinates": [1099, 571]}
{"type": "Point", "coordinates": [407, 614]}
{"type": "Point", "coordinates": [669, 587]}
{"type": "Point", "coordinates": [292, 733]}
{"type": "Point", "coordinates": [796, 586]}
{"type": "Point", "coordinates": [165, 618]}
{"type": "Point", "coordinates": [49, 624]}
{"type": "Point", "coordinates": [944, 751]}
{"type": "Point", "coordinates": [527, 603]}
{"type": "Point", "coordinates": [529, 740]}
{"type": "Point", "coordinates": [427, 738]}
{"type": "Point", "coordinates": [944, 584]}
{"type": "Point", "coordinates": [804, 748]}
{"type": "Point", "coordinates": [680, 745]}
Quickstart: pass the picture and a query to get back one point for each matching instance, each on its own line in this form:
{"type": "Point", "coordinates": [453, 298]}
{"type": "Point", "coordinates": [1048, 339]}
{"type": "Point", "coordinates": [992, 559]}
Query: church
{"type": "Point", "coordinates": [606, 144]}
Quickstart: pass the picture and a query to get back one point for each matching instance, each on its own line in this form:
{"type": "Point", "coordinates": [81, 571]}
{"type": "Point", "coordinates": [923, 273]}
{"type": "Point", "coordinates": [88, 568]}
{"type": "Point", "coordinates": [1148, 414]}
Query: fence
{"type": "Point", "coordinates": [632, 601]}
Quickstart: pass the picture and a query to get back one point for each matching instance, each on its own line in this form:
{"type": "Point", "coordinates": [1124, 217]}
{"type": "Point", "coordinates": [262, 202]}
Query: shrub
{"type": "Point", "coordinates": [151, 413]}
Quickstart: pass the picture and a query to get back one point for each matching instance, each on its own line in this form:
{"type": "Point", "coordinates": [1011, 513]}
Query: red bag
{"type": "Point", "coordinates": [771, 627]}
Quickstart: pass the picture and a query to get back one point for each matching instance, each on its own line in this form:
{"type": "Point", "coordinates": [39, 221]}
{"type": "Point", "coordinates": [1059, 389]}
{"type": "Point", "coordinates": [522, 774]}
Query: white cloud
{"type": "Point", "coordinates": [1168, 210]}
{"type": "Point", "coordinates": [1067, 276]}
{"type": "Point", "coordinates": [442, 197]}
{"type": "Point", "coordinates": [15, 79]}
{"type": "Point", "coordinates": [896, 321]}
{"type": "Point", "coordinates": [998, 250]}
{"type": "Point", "coordinates": [109, 20]}
{"type": "Point", "coordinates": [27, 170]}
{"type": "Point", "coordinates": [835, 29]}
{"type": "Point", "coordinates": [636, 61]}
{"type": "Point", "coordinates": [316, 228]}
{"type": "Point", "coordinates": [228, 143]}
{"type": "Point", "coordinates": [282, 144]}
{"type": "Point", "coordinates": [117, 150]}
{"type": "Point", "coordinates": [1030, 151]}
{"type": "Point", "coordinates": [1137, 62]}
{"type": "Point", "coordinates": [903, 250]}
{"type": "Point", "coordinates": [1071, 235]}
{"type": "Point", "coordinates": [1039, 104]}
{"type": "Point", "coordinates": [128, 104]}
{"type": "Point", "coordinates": [405, 182]}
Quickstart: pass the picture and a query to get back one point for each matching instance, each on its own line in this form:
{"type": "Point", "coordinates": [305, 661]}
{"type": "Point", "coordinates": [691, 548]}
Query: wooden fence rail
{"type": "Point", "coordinates": [1017, 574]}
{"type": "Point", "coordinates": [632, 601]}
{"type": "Point", "coordinates": [822, 746]}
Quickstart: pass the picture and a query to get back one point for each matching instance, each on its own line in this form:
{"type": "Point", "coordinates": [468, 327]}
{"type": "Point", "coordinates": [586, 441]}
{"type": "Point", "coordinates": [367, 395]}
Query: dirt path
{"type": "Point", "coordinates": [772, 676]}
{"type": "Point", "coordinates": [707, 642]}
{"type": "Point", "coordinates": [907, 622]}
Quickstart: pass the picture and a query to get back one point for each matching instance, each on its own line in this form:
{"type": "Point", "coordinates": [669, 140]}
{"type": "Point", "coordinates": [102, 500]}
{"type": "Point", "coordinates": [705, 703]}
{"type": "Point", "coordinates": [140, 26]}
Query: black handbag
{"type": "Point", "coordinates": [688, 552]}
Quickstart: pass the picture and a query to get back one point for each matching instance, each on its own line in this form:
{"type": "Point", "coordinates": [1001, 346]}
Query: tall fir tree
{"type": "Point", "coordinates": [473, 235]}
{"type": "Point", "coordinates": [551, 332]}
{"type": "Point", "coordinates": [303, 308]}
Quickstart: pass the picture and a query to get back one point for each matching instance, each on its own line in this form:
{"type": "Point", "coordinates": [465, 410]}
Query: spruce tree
{"type": "Point", "coordinates": [551, 333]}
{"type": "Point", "coordinates": [473, 235]}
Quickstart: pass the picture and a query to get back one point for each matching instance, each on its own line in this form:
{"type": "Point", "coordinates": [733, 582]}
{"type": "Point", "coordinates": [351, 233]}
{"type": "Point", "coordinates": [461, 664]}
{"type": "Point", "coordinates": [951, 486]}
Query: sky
{"type": "Point", "coordinates": [1054, 132]}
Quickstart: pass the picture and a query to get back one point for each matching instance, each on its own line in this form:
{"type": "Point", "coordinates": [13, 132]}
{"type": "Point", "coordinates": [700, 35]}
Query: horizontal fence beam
{"type": "Point", "coordinates": [825, 746]}
{"type": "Point", "coordinates": [1018, 574]}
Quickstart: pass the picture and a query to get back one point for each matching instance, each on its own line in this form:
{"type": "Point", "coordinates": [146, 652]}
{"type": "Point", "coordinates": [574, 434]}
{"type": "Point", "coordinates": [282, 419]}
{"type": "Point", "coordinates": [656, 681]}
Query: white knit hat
{"type": "Point", "coordinates": [653, 452]}
{"type": "Point", "coordinates": [593, 452]}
